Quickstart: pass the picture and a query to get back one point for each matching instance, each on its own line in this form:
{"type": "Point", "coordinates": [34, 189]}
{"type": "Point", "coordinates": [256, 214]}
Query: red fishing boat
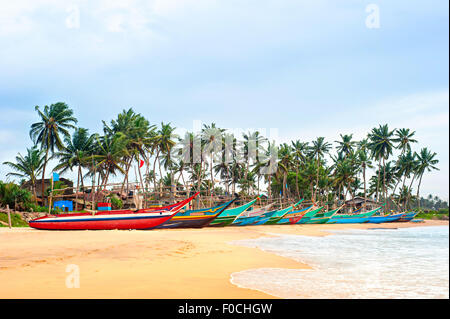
{"type": "Point", "coordinates": [116, 219]}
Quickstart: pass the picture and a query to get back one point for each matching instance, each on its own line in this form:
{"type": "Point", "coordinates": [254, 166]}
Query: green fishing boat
{"type": "Point", "coordinates": [322, 218]}
{"type": "Point", "coordinates": [229, 215]}
{"type": "Point", "coordinates": [307, 217]}
{"type": "Point", "coordinates": [276, 217]}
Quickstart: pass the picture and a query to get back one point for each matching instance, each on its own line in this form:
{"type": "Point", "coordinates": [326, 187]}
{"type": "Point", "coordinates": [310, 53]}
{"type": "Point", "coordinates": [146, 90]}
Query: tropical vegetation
{"type": "Point", "coordinates": [383, 165]}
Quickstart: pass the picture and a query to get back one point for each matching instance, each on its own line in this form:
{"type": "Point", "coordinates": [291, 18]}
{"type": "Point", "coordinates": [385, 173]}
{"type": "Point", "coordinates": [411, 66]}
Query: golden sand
{"type": "Point", "coordinates": [184, 263]}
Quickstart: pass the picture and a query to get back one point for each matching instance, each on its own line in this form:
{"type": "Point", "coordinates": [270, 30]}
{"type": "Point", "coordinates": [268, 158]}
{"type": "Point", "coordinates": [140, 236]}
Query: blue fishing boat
{"type": "Point", "coordinates": [293, 217]}
{"type": "Point", "coordinates": [407, 217]}
{"type": "Point", "coordinates": [262, 219]}
{"type": "Point", "coordinates": [384, 219]}
{"type": "Point", "coordinates": [251, 216]}
{"type": "Point", "coordinates": [279, 214]}
{"type": "Point", "coordinates": [353, 218]}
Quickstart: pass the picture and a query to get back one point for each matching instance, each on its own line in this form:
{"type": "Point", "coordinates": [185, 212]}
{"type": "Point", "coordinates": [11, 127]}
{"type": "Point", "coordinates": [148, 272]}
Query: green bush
{"type": "Point", "coordinates": [116, 202]}
{"type": "Point", "coordinates": [32, 207]}
{"type": "Point", "coordinates": [16, 220]}
{"type": "Point", "coordinates": [433, 214]}
{"type": "Point", "coordinates": [14, 196]}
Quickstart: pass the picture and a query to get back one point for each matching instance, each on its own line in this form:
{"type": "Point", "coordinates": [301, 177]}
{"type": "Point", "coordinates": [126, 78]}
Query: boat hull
{"type": "Point", "coordinates": [108, 220]}
{"type": "Point", "coordinates": [222, 221]}
{"type": "Point", "coordinates": [317, 220]}
{"type": "Point", "coordinates": [407, 217]}
{"type": "Point", "coordinates": [348, 220]}
{"type": "Point", "coordinates": [102, 221]}
{"type": "Point", "coordinates": [228, 216]}
{"type": "Point", "coordinates": [383, 219]}
{"type": "Point", "coordinates": [189, 222]}
{"type": "Point", "coordinates": [195, 218]}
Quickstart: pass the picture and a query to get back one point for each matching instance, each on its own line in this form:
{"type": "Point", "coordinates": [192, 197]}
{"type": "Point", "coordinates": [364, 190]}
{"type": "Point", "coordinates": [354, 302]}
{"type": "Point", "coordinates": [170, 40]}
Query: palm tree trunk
{"type": "Point", "coordinates": [384, 181]}
{"type": "Point", "coordinates": [317, 178]}
{"type": "Point", "coordinates": [76, 191]}
{"type": "Point", "coordinates": [408, 197]}
{"type": "Point", "coordinates": [128, 165]}
{"type": "Point", "coordinates": [418, 189]}
{"type": "Point", "coordinates": [378, 180]}
{"type": "Point", "coordinates": [43, 177]}
{"type": "Point", "coordinates": [154, 171]}
{"type": "Point", "coordinates": [139, 170]}
{"type": "Point", "coordinates": [212, 177]}
{"type": "Point", "coordinates": [364, 177]}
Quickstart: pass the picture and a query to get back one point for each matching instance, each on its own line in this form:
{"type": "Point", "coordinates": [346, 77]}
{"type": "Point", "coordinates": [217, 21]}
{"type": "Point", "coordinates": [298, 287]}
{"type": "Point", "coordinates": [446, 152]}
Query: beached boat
{"type": "Point", "coordinates": [306, 218]}
{"type": "Point", "coordinates": [229, 215]}
{"type": "Point", "coordinates": [115, 219]}
{"type": "Point", "coordinates": [248, 216]}
{"type": "Point", "coordinates": [295, 216]}
{"type": "Point", "coordinates": [407, 217]}
{"type": "Point", "coordinates": [195, 218]}
{"type": "Point", "coordinates": [321, 218]}
{"type": "Point", "coordinates": [385, 219]}
{"type": "Point", "coordinates": [352, 218]}
{"type": "Point", "coordinates": [279, 214]}
{"type": "Point", "coordinates": [258, 220]}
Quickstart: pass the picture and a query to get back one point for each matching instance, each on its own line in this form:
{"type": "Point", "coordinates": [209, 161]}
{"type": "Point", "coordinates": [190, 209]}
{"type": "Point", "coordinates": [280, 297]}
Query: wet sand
{"type": "Point", "coordinates": [184, 263]}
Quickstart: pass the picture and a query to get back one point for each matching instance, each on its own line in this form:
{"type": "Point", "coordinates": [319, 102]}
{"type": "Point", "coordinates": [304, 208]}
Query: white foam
{"type": "Point", "coordinates": [382, 263]}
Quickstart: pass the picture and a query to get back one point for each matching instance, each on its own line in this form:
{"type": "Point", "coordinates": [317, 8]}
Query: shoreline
{"type": "Point", "coordinates": [175, 263]}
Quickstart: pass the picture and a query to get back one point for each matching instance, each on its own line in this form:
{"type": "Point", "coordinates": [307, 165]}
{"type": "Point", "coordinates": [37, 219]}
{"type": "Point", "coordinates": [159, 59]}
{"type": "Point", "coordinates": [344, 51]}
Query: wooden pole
{"type": "Point", "coordinates": [50, 198]}
{"type": "Point", "coordinates": [9, 216]}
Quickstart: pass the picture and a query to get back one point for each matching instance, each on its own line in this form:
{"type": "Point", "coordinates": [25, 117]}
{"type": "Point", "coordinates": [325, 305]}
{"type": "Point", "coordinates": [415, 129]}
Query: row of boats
{"type": "Point", "coordinates": [173, 216]}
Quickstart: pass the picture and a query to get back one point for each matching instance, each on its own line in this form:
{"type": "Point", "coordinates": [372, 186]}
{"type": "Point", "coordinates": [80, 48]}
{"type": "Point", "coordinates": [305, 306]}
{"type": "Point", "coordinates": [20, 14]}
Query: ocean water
{"type": "Point", "coordinates": [370, 263]}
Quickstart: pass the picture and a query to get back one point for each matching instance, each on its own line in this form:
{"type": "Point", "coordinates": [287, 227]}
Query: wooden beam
{"type": "Point", "coordinates": [9, 216]}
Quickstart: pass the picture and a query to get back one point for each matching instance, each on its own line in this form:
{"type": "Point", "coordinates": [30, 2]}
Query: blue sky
{"type": "Point", "coordinates": [306, 68]}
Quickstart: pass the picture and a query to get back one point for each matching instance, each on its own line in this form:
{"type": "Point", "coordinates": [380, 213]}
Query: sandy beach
{"type": "Point", "coordinates": [184, 263]}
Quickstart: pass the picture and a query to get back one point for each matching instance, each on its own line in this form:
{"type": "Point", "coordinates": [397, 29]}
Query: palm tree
{"type": "Point", "coordinates": [404, 138]}
{"type": "Point", "coordinates": [55, 120]}
{"type": "Point", "coordinates": [28, 166]}
{"type": "Point", "coordinates": [77, 149]}
{"type": "Point", "coordinates": [213, 143]}
{"type": "Point", "coordinates": [318, 149]}
{"type": "Point", "coordinates": [139, 134]}
{"type": "Point", "coordinates": [284, 164]}
{"type": "Point", "coordinates": [299, 150]}
{"type": "Point", "coordinates": [346, 144]}
{"type": "Point", "coordinates": [163, 142]}
{"type": "Point", "coordinates": [110, 154]}
{"type": "Point", "coordinates": [364, 162]}
{"type": "Point", "coordinates": [252, 147]}
{"type": "Point", "coordinates": [269, 164]}
{"type": "Point", "coordinates": [426, 162]}
{"type": "Point", "coordinates": [381, 146]}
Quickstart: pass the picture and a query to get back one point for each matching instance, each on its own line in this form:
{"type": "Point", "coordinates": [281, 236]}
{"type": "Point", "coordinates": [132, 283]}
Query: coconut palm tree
{"type": "Point", "coordinates": [404, 139]}
{"type": "Point", "coordinates": [426, 162]}
{"type": "Point", "coordinates": [318, 149]}
{"type": "Point", "coordinates": [213, 145]}
{"type": "Point", "coordinates": [381, 146]}
{"type": "Point", "coordinates": [110, 154]}
{"type": "Point", "coordinates": [299, 153]}
{"type": "Point", "coordinates": [28, 166]}
{"type": "Point", "coordinates": [78, 147]}
{"type": "Point", "coordinates": [346, 145]}
{"type": "Point", "coordinates": [163, 142]}
{"type": "Point", "coordinates": [364, 162]}
{"type": "Point", "coordinates": [55, 122]}
{"type": "Point", "coordinates": [252, 146]}
{"type": "Point", "coordinates": [284, 164]}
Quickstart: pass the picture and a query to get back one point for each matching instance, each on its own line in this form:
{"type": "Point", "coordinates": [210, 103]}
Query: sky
{"type": "Point", "coordinates": [302, 68]}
